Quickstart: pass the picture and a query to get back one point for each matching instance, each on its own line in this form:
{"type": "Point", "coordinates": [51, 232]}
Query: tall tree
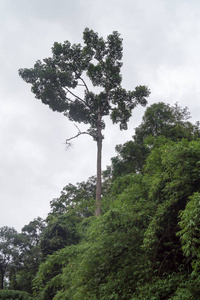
{"type": "Point", "coordinates": [24, 264]}
{"type": "Point", "coordinates": [8, 250]}
{"type": "Point", "coordinates": [99, 61]}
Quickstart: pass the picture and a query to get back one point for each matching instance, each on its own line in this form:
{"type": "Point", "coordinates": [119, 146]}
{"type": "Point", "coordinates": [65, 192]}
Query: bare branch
{"type": "Point", "coordinates": [77, 135]}
{"type": "Point", "coordinates": [80, 99]}
{"type": "Point", "coordinates": [74, 95]}
{"type": "Point", "coordinates": [83, 81]}
{"type": "Point", "coordinates": [84, 84]}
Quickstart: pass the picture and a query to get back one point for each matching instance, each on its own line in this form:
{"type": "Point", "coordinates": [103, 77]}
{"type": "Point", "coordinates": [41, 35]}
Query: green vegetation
{"type": "Point", "coordinates": [145, 244]}
{"type": "Point", "coordinates": [15, 295]}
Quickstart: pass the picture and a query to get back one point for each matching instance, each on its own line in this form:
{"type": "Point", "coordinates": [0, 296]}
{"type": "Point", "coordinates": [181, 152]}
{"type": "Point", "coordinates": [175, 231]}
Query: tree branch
{"type": "Point", "coordinates": [107, 94]}
{"type": "Point", "coordinates": [77, 135]}
{"type": "Point", "coordinates": [84, 84]}
{"type": "Point", "coordinates": [74, 95]}
{"type": "Point", "coordinates": [106, 103]}
{"type": "Point", "coordinates": [80, 99]}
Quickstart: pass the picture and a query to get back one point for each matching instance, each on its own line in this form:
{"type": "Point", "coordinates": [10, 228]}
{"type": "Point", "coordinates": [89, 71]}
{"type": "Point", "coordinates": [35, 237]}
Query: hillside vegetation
{"type": "Point", "coordinates": [145, 244]}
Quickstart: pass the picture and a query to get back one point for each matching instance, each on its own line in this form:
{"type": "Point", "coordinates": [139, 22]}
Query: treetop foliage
{"type": "Point", "coordinates": [160, 123]}
{"type": "Point", "coordinates": [98, 60]}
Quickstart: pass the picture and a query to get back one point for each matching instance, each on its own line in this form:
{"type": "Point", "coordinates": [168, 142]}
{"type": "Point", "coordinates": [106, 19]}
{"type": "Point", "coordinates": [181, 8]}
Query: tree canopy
{"type": "Point", "coordinates": [160, 119]}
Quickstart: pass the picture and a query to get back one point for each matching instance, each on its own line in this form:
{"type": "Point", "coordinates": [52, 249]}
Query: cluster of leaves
{"type": "Point", "coordinates": [146, 243]}
{"type": "Point", "coordinates": [15, 295]}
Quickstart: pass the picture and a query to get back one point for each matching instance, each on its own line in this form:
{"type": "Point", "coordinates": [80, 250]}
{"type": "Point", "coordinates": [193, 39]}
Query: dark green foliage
{"type": "Point", "coordinates": [131, 158]}
{"type": "Point", "coordinates": [15, 295]}
{"type": "Point", "coordinates": [29, 256]}
{"type": "Point", "coordinates": [133, 251]}
{"type": "Point", "coordinates": [48, 279]}
{"type": "Point", "coordinates": [173, 174]}
{"type": "Point", "coordinates": [168, 121]}
{"type": "Point", "coordinates": [60, 232]}
{"type": "Point", "coordinates": [8, 251]}
{"type": "Point", "coordinates": [79, 197]}
{"type": "Point", "coordinates": [190, 239]}
{"type": "Point", "coordinates": [75, 204]}
{"type": "Point", "coordinates": [20, 255]}
{"type": "Point", "coordinates": [190, 226]}
{"type": "Point", "coordinates": [94, 270]}
{"type": "Point", "coordinates": [159, 120]}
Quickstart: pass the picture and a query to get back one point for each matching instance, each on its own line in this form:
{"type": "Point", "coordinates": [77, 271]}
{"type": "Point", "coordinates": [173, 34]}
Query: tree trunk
{"type": "Point", "coordinates": [99, 155]}
{"type": "Point", "coordinates": [2, 279]}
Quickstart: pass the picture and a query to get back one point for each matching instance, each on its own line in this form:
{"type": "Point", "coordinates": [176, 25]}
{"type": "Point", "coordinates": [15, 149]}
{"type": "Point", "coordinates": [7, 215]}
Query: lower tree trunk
{"type": "Point", "coordinates": [2, 279]}
{"type": "Point", "coordinates": [99, 155]}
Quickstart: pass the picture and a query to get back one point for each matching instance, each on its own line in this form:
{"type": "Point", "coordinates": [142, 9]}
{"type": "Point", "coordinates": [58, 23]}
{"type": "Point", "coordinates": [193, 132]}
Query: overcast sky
{"type": "Point", "coordinates": [161, 41]}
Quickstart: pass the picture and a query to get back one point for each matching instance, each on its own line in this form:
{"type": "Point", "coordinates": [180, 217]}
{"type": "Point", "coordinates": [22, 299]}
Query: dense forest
{"type": "Point", "coordinates": [146, 242]}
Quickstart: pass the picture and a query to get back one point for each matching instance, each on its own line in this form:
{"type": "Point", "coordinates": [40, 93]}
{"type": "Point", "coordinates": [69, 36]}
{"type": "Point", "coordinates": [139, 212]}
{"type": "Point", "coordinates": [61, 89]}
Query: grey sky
{"type": "Point", "coordinates": [161, 50]}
